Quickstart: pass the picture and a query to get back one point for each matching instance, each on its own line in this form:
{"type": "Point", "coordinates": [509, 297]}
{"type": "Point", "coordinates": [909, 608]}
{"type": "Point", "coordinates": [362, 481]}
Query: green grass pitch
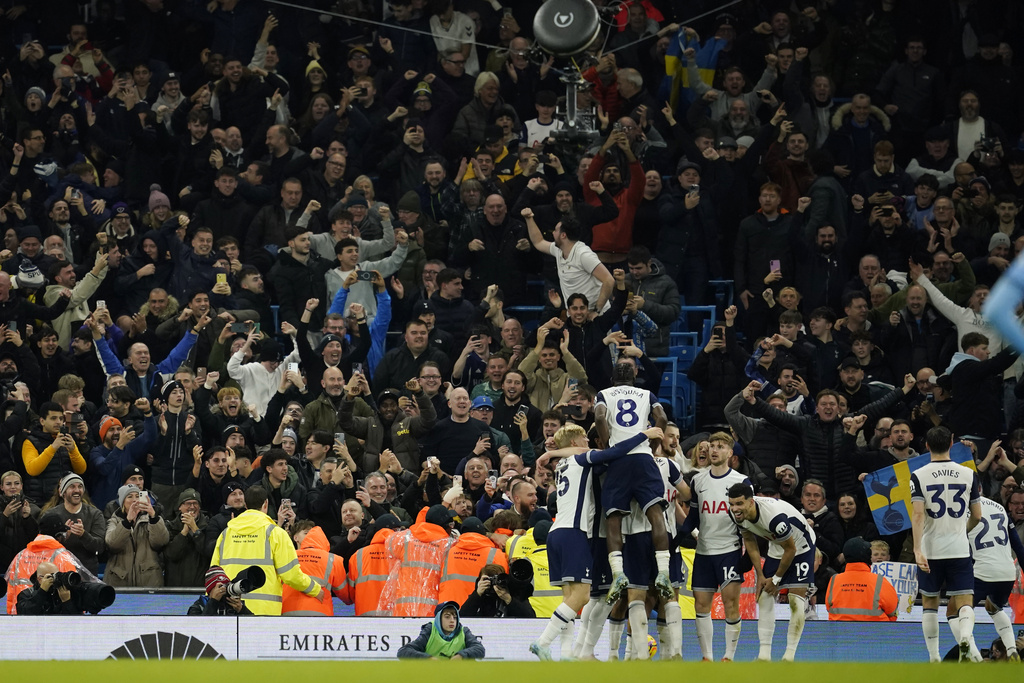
{"type": "Point", "coordinates": [442, 672]}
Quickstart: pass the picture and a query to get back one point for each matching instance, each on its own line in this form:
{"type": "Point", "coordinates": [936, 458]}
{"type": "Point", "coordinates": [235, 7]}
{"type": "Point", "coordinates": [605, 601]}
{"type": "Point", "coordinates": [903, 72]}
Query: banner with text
{"type": "Point", "coordinates": [903, 577]}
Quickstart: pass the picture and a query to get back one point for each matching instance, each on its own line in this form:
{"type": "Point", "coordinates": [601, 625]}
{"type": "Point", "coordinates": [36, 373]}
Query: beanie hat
{"type": "Point", "coordinates": [187, 495]}
{"type": "Point", "coordinates": [27, 231]}
{"type": "Point", "coordinates": [130, 471]}
{"type": "Point", "coordinates": [29, 275]}
{"type": "Point", "coordinates": [313, 64]}
{"type": "Point", "coordinates": [795, 474]}
{"type": "Point", "coordinates": [998, 239]}
{"type": "Point", "coordinates": [169, 387]}
{"type": "Point", "coordinates": [357, 198]}
{"type": "Point", "coordinates": [35, 90]}
{"type": "Point", "coordinates": [856, 549]}
{"type": "Point", "coordinates": [68, 480]}
{"type": "Point", "coordinates": [410, 202]}
{"type": "Point", "coordinates": [290, 433]}
{"type": "Point", "coordinates": [157, 198]}
{"type": "Point", "coordinates": [123, 492]}
{"type": "Point", "coordinates": [215, 576]}
{"type": "Point", "coordinates": [106, 423]}
{"type": "Point", "coordinates": [51, 524]}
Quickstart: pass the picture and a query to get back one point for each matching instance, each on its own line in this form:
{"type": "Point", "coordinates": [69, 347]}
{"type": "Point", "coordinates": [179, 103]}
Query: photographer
{"type": "Point", "coordinates": [135, 536]}
{"type": "Point", "coordinates": [44, 597]}
{"type": "Point", "coordinates": [217, 602]}
{"type": "Point", "coordinates": [500, 594]}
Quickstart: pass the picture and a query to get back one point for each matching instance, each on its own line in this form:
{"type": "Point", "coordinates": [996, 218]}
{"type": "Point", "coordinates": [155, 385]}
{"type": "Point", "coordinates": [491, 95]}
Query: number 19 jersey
{"type": "Point", "coordinates": [947, 490]}
{"type": "Point", "coordinates": [629, 410]}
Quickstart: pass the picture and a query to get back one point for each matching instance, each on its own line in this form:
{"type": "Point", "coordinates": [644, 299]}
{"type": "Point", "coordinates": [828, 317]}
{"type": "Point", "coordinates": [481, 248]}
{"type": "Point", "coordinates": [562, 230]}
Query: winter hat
{"type": "Point", "coordinates": [28, 231]}
{"type": "Point", "coordinates": [410, 202]}
{"type": "Point", "coordinates": [998, 239]}
{"type": "Point", "coordinates": [357, 198]}
{"type": "Point", "coordinates": [165, 391]}
{"type": "Point", "coordinates": [187, 495]}
{"type": "Point", "coordinates": [51, 524]}
{"type": "Point", "coordinates": [230, 488]}
{"type": "Point", "coordinates": [540, 532]}
{"type": "Point", "coordinates": [106, 423]}
{"type": "Point", "coordinates": [68, 480]}
{"type": "Point", "coordinates": [123, 492]}
{"type": "Point", "coordinates": [117, 166]}
{"type": "Point", "coordinates": [216, 576]}
{"type": "Point", "coordinates": [29, 276]}
{"type": "Point", "coordinates": [856, 549]}
{"type": "Point", "coordinates": [745, 141]}
{"type": "Point", "coordinates": [313, 64]}
{"type": "Point", "coordinates": [130, 471]}
{"type": "Point", "coordinates": [290, 433]}
{"type": "Point", "coordinates": [795, 474]}
{"type": "Point", "coordinates": [473, 525]}
{"type": "Point", "coordinates": [440, 515]}
{"type": "Point", "coordinates": [35, 90]}
{"type": "Point", "coordinates": [422, 88]}
{"type": "Point", "coordinates": [157, 198]}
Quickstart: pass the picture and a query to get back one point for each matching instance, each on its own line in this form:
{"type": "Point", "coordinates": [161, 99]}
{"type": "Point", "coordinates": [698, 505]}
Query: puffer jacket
{"type": "Point", "coordinates": [821, 442]}
{"type": "Point", "coordinates": [661, 304]}
{"type": "Point", "coordinates": [545, 387]}
{"type": "Point", "coordinates": [405, 432]}
{"type": "Point", "coordinates": [39, 487]}
{"type": "Point", "coordinates": [134, 551]}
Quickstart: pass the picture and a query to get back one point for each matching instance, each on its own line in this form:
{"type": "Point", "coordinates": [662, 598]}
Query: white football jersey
{"type": "Point", "coordinates": [947, 490]}
{"type": "Point", "coordinates": [776, 521]}
{"type": "Point", "coordinates": [629, 411]}
{"type": "Point", "coordinates": [636, 521]}
{"type": "Point", "coordinates": [710, 500]}
{"type": "Point", "coordinates": [576, 504]}
{"type": "Point", "coordinates": [990, 544]}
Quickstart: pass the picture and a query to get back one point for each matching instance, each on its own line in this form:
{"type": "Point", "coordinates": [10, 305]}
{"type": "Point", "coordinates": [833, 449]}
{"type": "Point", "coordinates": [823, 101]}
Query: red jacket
{"type": "Point", "coordinates": [615, 236]}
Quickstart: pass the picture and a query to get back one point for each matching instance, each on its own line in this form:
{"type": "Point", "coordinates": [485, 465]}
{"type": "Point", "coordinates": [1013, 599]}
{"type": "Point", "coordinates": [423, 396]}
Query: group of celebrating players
{"type": "Point", "coordinates": [612, 547]}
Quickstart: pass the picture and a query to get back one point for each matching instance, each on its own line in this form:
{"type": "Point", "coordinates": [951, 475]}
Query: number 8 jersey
{"type": "Point", "coordinates": [629, 409]}
{"type": "Point", "coordinates": [947, 490]}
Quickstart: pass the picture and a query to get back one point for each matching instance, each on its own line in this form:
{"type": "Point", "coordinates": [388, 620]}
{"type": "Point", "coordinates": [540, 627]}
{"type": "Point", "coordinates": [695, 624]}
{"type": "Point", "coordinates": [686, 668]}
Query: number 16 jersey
{"type": "Point", "coordinates": [629, 410]}
{"type": "Point", "coordinates": [947, 490]}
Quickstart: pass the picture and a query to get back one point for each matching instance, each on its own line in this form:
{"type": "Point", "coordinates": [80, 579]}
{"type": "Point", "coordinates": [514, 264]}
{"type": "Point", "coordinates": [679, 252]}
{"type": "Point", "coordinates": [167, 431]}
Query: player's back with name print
{"type": "Point", "coordinates": [629, 411]}
{"type": "Point", "coordinates": [947, 490]}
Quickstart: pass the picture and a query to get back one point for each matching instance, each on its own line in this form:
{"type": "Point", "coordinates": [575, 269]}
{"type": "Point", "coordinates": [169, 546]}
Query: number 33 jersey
{"type": "Point", "coordinates": [947, 490]}
{"type": "Point", "coordinates": [629, 410]}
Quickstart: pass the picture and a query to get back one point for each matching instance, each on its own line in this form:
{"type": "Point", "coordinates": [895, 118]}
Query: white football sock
{"type": "Point", "coordinates": [615, 560]}
{"type": "Point", "coordinates": [559, 624]}
{"type": "Point", "coordinates": [1001, 620]}
{"type": "Point", "coordinates": [674, 629]}
{"type": "Point", "coordinates": [598, 616]}
{"type": "Point", "coordinates": [732, 638]}
{"type": "Point", "coordinates": [797, 603]}
{"type": "Point", "coordinates": [615, 629]}
{"type": "Point", "coordinates": [930, 627]}
{"type": "Point", "coordinates": [638, 627]}
{"type": "Point", "coordinates": [705, 636]}
{"type": "Point", "coordinates": [765, 625]}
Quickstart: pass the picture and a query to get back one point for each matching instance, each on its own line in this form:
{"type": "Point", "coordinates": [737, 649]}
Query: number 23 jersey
{"type": "Point", "coordinates": [629, 410]}
{"type": "Point", "coordinates": [947, 490]}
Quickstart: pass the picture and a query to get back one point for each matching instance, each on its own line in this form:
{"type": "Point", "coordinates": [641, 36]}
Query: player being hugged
{"type": "Point", "coordinates": [789, 565]}
{"type": "Point", "coordinates": [716, 564]}
{"type": "Point", "coordinates": [623, 411]}
{"type": "Point", "coordinates": [568, 542]}
{"type": "Point", "coordinates": [946, 498]}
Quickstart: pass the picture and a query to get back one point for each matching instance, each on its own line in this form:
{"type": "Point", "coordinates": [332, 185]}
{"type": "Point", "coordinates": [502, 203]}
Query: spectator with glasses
{"type": "Point", "coordinates": [435, 388]}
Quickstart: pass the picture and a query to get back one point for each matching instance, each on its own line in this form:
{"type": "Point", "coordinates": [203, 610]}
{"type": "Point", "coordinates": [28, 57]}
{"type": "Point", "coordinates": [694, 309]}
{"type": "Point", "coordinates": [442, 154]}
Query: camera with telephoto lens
{"type": "Point", "coordinates": [520, 573]}
{"type": "Point", "coordinates": [69, 580]}
{"type": "Point", "coordinates": [247, 581]}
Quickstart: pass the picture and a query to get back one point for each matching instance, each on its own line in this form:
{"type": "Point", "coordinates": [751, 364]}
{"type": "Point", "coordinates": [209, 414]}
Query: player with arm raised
{"type": "Point", "coordinates": [568, 543]}
{"type": "Point", "coordinates": [946, 499]}
{"type": "Point", "coordinates": [789, 565]}
{"type": "Point", "coordinates": [716, 564]}
{"type": "Point", "coordinates": [623, 411]}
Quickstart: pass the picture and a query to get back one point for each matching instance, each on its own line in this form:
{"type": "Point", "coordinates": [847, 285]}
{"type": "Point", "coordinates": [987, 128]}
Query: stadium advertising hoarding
{"type": "Point", "coordinates": [349, 638]}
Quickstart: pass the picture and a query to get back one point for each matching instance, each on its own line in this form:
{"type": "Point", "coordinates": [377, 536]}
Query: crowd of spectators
{"type": "Point", "coordinates": [351, 263]}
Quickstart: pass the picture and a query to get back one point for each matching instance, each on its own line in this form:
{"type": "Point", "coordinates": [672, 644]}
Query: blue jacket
{"type": "Point", "coordinates": [106, 465]}
{"type": "Point", "coordinates": [141, 386]}
{"type": "Point", "coordinates": [378, 328]}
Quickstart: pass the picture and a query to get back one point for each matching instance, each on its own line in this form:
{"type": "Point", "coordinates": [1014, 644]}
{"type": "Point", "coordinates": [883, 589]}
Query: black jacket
{"type": "Point", "coordinates": [821, 442]}
{"type": "Point", "coordinates": [296, 282]}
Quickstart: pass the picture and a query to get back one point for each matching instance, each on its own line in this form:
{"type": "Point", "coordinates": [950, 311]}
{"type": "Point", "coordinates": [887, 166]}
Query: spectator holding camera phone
{"type": "Point", "coordinates": [135, 537]}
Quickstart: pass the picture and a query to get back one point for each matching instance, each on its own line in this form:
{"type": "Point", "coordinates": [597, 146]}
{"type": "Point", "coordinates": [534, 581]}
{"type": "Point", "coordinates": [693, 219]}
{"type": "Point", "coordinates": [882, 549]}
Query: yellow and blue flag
{"type": "Point", "coordinates": [675, 86]}
{"type": "Point", "coordinates": [888, 489]}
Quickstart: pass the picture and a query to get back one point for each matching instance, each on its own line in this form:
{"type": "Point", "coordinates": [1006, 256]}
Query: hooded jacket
{"type": "Point", "coordinates": [252, 539]}
{"type": "Point", "coordinates": [136, 289]}
{"type": "Point", "coordinates": [468, 555]}
{"type": "Point", "coordinates": [368, 574]}
{"type": "Point", "coordinates": [416, 556]}
{"type": "Point", "coordinates": [326, 569]}
{"type": "Point", "coordinates": [40, 549]}
{"type": "Point", "coordinates": [431, 637]}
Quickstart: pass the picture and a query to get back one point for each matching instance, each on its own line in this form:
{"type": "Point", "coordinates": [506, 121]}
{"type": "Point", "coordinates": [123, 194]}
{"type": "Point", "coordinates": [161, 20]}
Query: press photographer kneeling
{"type": "Point", "coordinates": [499, 594]}
{"type": "Point", "coordinates": [224, 596]}
{"type": "Point", "coordinates": [57, 592]}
